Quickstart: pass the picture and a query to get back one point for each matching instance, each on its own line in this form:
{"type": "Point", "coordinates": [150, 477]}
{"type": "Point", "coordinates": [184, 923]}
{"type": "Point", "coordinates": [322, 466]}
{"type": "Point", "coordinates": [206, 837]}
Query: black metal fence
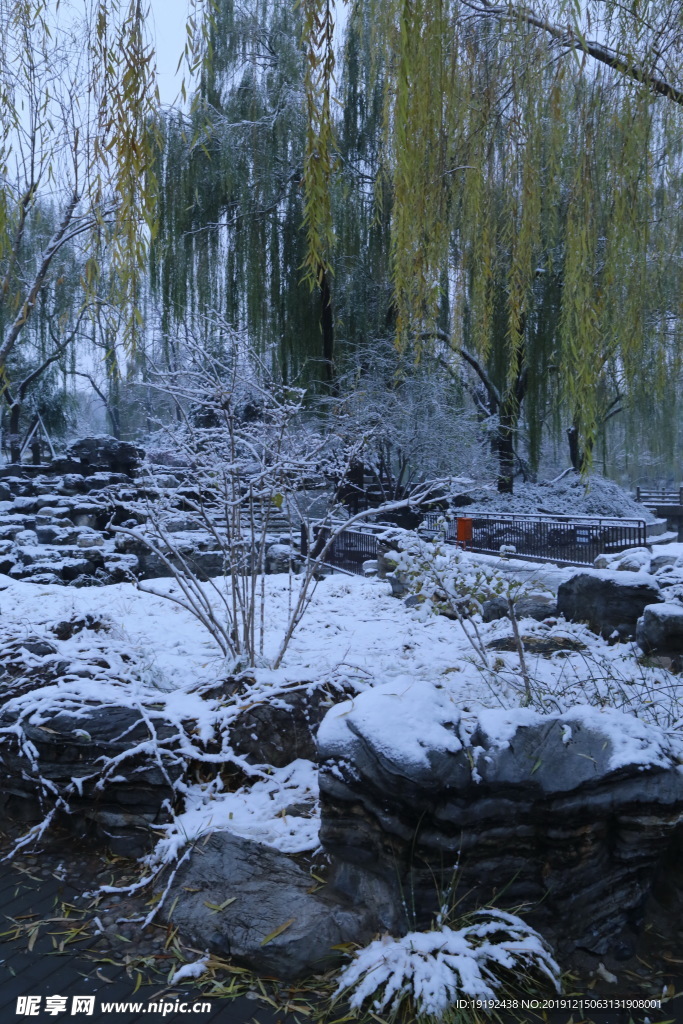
{"type": "Point", "coordinates": [653, 498]}
{"type": "Point", "coordinates": [575, 540]}
{"type": "Point", "coordinates": [560, 539]}
{"type": "Point", "coordinates": [348, 550]}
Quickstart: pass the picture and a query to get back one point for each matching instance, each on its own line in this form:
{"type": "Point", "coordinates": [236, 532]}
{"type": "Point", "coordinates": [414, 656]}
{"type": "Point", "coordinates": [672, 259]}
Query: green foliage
{"type": "Point", "coordinates": [530, 187]}
{"type": "Point", "coordinates": [231, 207]}
{"type": "Point", "coordinates": [318, 32]}
{"type": "Point", "coordinates": [124, 147]}
{"type": "Point", "coordinates": [490, 174]}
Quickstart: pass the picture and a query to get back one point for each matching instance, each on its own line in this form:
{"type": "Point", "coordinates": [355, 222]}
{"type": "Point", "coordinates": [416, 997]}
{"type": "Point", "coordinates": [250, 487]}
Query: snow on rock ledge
{"type": "Point", "coordinates": [610, 602]}
{"type": "Point", "coordinates": [660, 630]}
{"type": "Point", "coordinates": [567, 814]}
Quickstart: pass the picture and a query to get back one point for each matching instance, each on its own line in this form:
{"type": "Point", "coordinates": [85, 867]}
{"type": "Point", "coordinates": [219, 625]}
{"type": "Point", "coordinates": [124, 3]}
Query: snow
{"type": "Point", "coordinates": [258, 812]}
{"type": "Point", "coordinates": [193, 970]}
{"type": "Point", "coordinates": [164, 636]}
{"type": "Point", "coordinates": [419, 684]}
{"type": "Point", "coordinates": [404, 722]}
{"type": "Point", "coordinates": [434, 969]}
{"type": "Point", "coordinates": [674, 548]}
{"type": "Point", "coordinates": [668, 611]}
{"type": "Point", "coordinates": [622, 577]}
{"type": "Point", "coordinates": [569, 496]}
{"type": "Point", "coordinates": [405, 727]}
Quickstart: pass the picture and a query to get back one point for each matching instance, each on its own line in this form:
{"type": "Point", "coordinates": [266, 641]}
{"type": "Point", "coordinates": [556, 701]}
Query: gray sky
{"type": "Point", "coordinates": [167, 25]}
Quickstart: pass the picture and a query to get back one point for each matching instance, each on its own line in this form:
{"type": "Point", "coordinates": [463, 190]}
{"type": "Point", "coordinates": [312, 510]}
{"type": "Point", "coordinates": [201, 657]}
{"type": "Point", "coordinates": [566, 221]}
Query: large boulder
{"type": "Point", "coordinates": [242, 899]}
{"type": "Point", "coordinates": [281, 558]}
{"type": "Point", "coordinates": [102, 452]}
{"type": "Point", "coordinates": [280, 730]}
{"type": "Point", "coordinates": [568, 815]}
{"type": "Point", "coordinates": [660, 630]}
{"type": "Point", "coordinates": [61, 758]}
{"type": "Point", "coordinates": [531, 606]}
{"type": "Point", "coordinates": [610, 602]}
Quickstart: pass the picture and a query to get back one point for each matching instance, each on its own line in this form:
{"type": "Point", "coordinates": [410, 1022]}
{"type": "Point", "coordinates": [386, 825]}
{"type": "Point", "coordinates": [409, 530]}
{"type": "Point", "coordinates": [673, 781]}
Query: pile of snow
{"type": "Point", "coordinates": [269, 811]}
{"type": "Point", "coordinates": [154, 655]}
{"type": "Point", "coordinates": [409, 727]}
{"type": "Point", "coordinates": [435, 969]}
{"type": "Point", "coordinates": [569, 496]}
{"type": "Point", "coordinates": [193, 970]}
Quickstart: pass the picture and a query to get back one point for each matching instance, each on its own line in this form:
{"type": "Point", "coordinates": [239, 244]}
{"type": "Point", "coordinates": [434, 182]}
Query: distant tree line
{"type": "Point", "coordinates": [485, 193]}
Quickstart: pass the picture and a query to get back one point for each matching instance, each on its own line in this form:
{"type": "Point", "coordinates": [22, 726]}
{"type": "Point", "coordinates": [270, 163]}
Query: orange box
{"type": "Point", "coordinates": [464, 531]}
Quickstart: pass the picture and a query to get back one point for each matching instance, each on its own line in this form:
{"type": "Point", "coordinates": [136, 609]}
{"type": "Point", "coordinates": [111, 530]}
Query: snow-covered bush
{"type": "Point", "coordinates": [451, 578]}
{"type": "Point", "coordinates": [252, 451]}
{"type": "Point", "coordinates": [453, 583]}
{"type": "Point", "coordinates": [238, 432]}
{"type": "Point", "coordinates": [431, 971]}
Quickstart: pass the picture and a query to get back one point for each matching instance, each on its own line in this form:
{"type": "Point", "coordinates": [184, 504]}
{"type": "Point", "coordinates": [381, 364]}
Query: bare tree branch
{"type": "Point", "coordinates": [572, 40]}
{"type": "Point", "coordinates": [29, 302]}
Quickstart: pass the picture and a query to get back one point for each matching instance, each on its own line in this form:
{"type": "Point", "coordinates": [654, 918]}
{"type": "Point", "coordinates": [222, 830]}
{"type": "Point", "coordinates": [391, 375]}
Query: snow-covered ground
{"type": "Point", "coordinates": [354, 636]}
{"type": "Point", "coordinates": [569, 495]}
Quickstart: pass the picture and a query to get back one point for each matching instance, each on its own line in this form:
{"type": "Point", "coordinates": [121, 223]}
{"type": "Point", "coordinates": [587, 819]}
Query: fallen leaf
{"type": "Point", "coordinates": [278, 931]}
{"type": "Point", "coordinates": [216, 907]}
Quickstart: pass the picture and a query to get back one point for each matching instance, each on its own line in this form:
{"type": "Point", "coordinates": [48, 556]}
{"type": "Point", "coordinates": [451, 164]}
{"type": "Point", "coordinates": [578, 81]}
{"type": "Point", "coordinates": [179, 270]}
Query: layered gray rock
{"type": "Point", "coordinates": [280, 730]}
{"type": "Point", "coordinates": [660, 630]}
{"type": "Point", "coordinates": [532, 606]}
{"type": "Point", "coordinates": [610, 602]}
{"type": "Point", "coordinates": [62, 757]}
{"type": "Point", "coordinates": [79, 502]}
{"type": "Point", "coordinates": [245, 900]}
{"type": "Point", "coordinates": [104, 452]}
{"type": "Point", "coordinates": [567, 815]}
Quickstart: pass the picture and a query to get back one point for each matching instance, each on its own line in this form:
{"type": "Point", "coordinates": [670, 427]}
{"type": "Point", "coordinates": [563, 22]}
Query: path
{"type": "Point", "coordinates": [43, 972]}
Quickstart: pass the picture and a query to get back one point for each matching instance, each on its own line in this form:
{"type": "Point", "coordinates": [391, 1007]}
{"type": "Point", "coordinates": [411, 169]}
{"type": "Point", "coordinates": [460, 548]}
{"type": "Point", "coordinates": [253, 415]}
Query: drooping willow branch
{"type": "Point", "coordinates": [572, 40]}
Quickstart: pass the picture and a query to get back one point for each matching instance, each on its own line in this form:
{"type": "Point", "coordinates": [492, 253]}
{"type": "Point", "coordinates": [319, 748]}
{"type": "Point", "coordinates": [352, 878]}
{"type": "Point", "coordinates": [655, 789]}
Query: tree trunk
{"type": "Point", "coordinates": [113, 400]}
{"type": "Point", "coordinates": [579, 457]}
{"type": "Point", "coordinates": [327, 328]}
{"type": "Point", "coordinates": [574, 454]}
{"type": "Point", "coordinates": [505, 448]}
{"type": "Point", "coordinates": [508, 415]}
{"type": "Point", "coordinates": [115, 422]}
{"type": "Point", "coordinates": [14, 439]}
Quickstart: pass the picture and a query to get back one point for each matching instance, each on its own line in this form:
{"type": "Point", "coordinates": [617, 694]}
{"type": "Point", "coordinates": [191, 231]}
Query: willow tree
{"type": "Point", "coordinates": [76, 145]}
{"type": "Point", "coordinates": [231, 204]}
{"type": "Point", "coordinates": [531, 152]}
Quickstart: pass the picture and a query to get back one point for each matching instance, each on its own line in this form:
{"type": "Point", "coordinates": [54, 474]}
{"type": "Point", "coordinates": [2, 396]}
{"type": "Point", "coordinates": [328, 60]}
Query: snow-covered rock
{"type": "Point", "coordinates": [103, 452]}
{"type": "Point", "coordinates": [26, 538]}
{"type": "Point", "coordinates": [281, 558]}
{"type": "Point", "coordinates": [567, 813]}
{"type": "Point", "coordinates": [630, 560]}
{"type": "Point", "coordinates": [660, 630]}
{"type": "Point", "coordinates": [63, 756]}
{"type": "Point", "coordinates": [664, 561]}
{"type": "Point", "coordinates": [611, 602]}
{"type": "Point", "coordinates": [634, 560]}
{"type": "Point", "coordinates": [89, 539]}
{"type": "Point", "coordinates": [282, 730]}
{"type": "Point", "coordinates": [531, 606]}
